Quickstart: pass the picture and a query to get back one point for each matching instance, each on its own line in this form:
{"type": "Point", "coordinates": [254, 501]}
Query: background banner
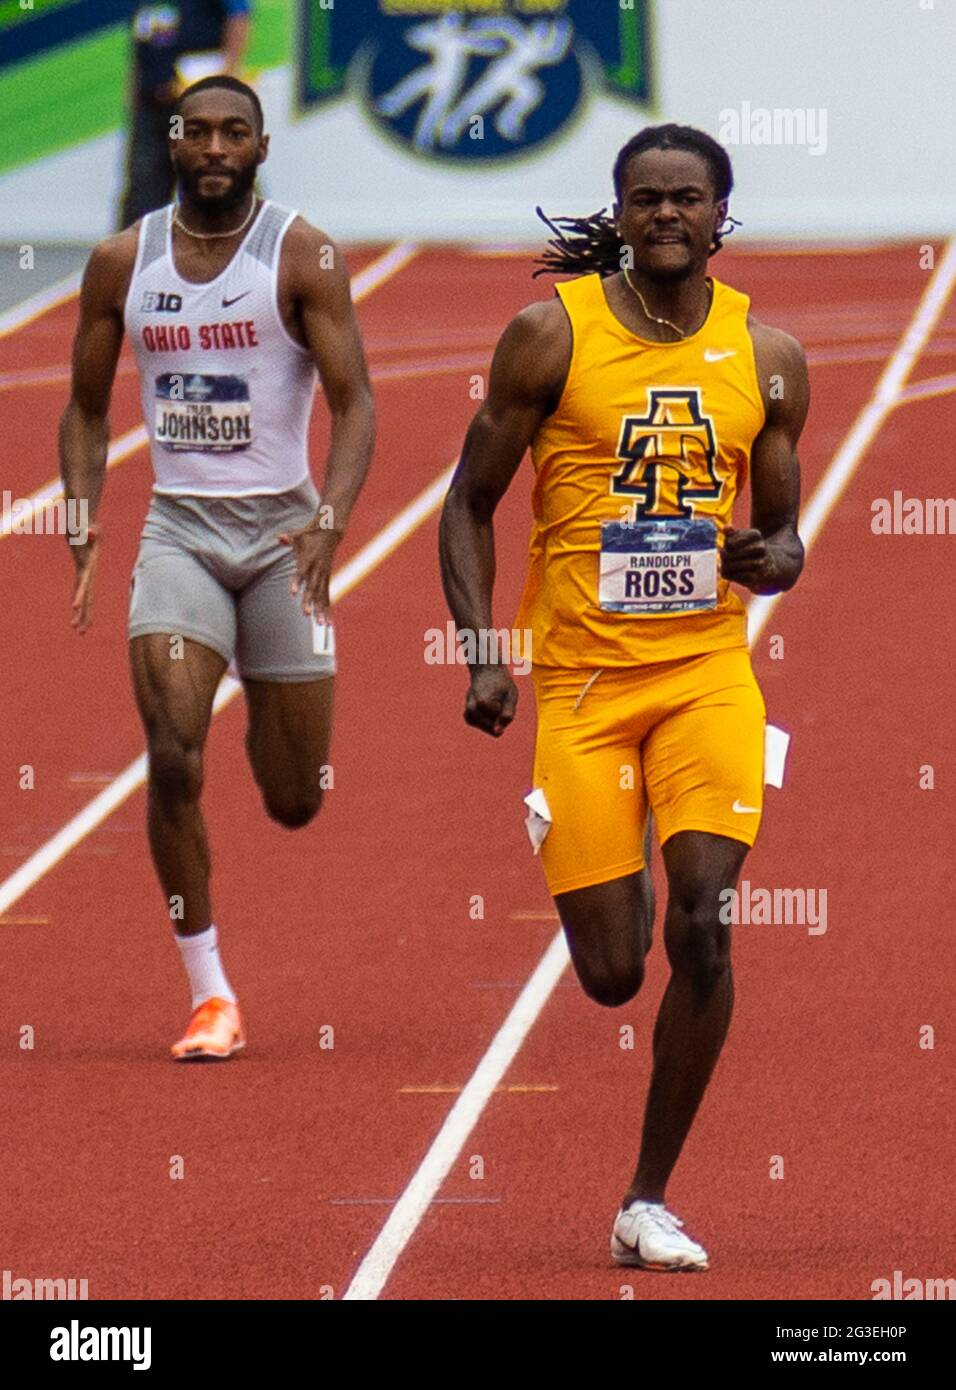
{"type": "Point", "coordinates": [451, 119]}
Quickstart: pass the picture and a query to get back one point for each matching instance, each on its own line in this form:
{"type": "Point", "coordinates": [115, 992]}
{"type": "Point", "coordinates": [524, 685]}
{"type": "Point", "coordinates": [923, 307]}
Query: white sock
{"type": "Point", "coordinates": [200, 955]}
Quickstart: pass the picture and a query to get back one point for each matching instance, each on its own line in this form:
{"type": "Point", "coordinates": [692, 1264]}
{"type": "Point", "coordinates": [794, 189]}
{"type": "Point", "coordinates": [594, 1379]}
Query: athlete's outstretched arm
{"type": "Point", "coordinates": [319, 281]}
{"type": "Point", "coordinates": [84, 427]}
{"type": "Point", "coordinates": [768, 557]}
{"type": "Point", "coordinates": [528, 372]}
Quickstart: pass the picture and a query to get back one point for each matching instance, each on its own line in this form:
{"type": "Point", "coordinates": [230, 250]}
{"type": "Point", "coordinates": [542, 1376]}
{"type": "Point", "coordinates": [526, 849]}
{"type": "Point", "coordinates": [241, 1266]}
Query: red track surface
{"type": "Point", "coordinates": [293, 1152]}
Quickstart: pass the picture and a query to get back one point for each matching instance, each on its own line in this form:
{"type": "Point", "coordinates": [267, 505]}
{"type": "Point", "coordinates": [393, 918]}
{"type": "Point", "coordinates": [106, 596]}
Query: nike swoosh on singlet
{"type": "Point", "coordinates": [711, 356]}
{"type": "Point", "coordinates": [226, 302]}
{"type": "Point", "coordinates": [743, 810]}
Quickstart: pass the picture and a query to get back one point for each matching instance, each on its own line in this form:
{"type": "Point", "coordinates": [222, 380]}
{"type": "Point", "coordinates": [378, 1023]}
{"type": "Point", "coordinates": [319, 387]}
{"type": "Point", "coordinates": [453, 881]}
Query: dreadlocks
{"type": "Point", "coordinates": [592, 245]}
{"type": "Point", "coordinates": [581, 246]}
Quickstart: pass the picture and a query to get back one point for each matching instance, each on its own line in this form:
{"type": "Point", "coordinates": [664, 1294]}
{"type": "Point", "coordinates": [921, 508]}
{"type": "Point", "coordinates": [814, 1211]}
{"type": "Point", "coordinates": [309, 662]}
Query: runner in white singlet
{"type": "Point", "coordinates": [234, 308]}
{"type": "Point", "coordinates": [226, 392]}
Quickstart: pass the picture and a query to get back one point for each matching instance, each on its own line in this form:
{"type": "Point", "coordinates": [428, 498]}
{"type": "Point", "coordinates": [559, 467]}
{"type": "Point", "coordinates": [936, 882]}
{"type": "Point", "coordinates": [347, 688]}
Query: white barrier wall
{"type": "Point", "coordinates": [839, 115]}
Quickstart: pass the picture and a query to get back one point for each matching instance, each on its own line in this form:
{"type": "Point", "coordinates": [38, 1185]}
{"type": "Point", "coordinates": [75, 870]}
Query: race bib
{"type": "Point", "coordinates": [658, 566]}
{"type": "Point", "coordinates": [203, 413]}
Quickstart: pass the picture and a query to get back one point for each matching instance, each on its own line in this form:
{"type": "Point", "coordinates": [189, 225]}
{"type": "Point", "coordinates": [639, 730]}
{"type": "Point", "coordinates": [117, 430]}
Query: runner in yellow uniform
{"type": "Point", "coordinates": [648, 395]}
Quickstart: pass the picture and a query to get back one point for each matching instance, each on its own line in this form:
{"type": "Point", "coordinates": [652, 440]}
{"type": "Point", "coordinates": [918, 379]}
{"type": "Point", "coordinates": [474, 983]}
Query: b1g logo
{"type": "Point", "coordinates": [161, 302]}
{"type": "Point", "coordinates": [669, 454]}
{"type": "Point", "coordinates": [473, 79]}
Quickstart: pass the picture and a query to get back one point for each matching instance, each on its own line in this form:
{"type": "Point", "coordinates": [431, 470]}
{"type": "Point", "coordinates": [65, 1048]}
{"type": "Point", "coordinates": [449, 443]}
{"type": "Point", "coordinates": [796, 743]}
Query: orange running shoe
{"type": "Point", "coordinates": [215, 1030]}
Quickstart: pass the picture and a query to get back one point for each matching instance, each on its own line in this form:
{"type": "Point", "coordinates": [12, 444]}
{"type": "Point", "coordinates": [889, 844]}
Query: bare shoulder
{"type": "Point", "coordinates": [303, 236]}
{"type": "Point", "coordinates": [781, 375]}
{"type": "Point", "coordinates": [307, 250]}
{"type": "Point", "coordinates": [533, 355]}
{"type": "Point", "coordinates": [537, 341]}
{"type": "Point", "coordinates": [542, 320]}
{"type": "Point", "coordinates": [110, 268]}
{"type": "Point", "coordinates": [775, 350]}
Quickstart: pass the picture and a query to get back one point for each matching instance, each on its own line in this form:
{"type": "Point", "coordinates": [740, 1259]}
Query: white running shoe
{"type": "Point", "coordinates": [648, 1235]}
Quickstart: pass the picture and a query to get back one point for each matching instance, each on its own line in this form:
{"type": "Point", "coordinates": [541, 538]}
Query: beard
{"type": "Point", "coordinates": [241, 181]}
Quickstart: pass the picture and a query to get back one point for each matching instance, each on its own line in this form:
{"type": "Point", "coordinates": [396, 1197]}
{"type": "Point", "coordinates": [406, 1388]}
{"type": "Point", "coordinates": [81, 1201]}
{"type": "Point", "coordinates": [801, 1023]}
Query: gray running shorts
{"type": "Point", "coordinates": [211, 569]}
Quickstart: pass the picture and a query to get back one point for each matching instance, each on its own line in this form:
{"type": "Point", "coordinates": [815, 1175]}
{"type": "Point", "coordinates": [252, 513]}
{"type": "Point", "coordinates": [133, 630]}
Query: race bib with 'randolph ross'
{"type": "Point", "coordinates": [658, 566]}
{"type": "Point", "coordinates": [208, 414]}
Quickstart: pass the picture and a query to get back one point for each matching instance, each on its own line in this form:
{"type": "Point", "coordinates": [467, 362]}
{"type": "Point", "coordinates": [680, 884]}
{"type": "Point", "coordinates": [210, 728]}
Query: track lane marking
{"type": "Point", "coordinates": [926, 390]}
{"type": "Point", "coordinates": [886, 395]}
{"type": "Point", "coordinates": [24, 313]}
{"type": "Point", "coordinates": [440, 1090]}
{"type": "Point", "coordinates": [377, 1265]}
{"type": "Point", "coordinates": [36, 502]}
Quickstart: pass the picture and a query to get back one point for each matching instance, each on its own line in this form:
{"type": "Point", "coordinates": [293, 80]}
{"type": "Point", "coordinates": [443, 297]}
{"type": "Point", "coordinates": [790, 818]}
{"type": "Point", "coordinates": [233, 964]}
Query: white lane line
{"type": "Point", "coordinates": [924, 390]}
{"type": "Point", "coordinates": [373, 1272]}
{"type": "Point", "coordinates": [132, 778]}
{"type": "Point", "coordinates": [386, 265]}
{"type": "Point", "coordinates": [92, 815]}
{"type": "Point", "coordinates": [22, 314]}
{"type": "Point", "coordinates": [885, 396]}
{"type": "Point", "coordinates": [24, 516]}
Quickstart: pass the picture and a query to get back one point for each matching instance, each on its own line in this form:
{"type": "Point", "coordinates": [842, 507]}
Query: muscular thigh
{"type": "Point", "coordinates": [175, 681]}
{"type": "Point", "coordinates": [607, 927]}
{"type": "Point", "coordinates": [701, 869]}
{"type": "Point", "coordinates": [290, 728]}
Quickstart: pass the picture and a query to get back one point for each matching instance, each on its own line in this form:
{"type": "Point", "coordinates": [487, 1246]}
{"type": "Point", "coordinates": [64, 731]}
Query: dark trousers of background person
{"type": "Point", "coordinates": [149, 173]}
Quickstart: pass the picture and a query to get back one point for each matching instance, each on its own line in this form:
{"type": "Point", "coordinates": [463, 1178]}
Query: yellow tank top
{"type": "Point", "coordinates": [636, 473]}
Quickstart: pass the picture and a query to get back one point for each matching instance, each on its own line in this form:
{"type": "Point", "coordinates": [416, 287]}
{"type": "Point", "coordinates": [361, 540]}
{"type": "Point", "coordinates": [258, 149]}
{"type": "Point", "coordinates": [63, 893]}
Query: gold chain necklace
{"type": "Point", "coordinates": [213, 236]}
{"type": "Point", "coordinates": [653, 317]}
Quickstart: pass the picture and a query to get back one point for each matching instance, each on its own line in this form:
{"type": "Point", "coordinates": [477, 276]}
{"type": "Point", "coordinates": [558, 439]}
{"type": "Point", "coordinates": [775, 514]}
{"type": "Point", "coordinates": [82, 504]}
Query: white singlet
{"type": "Point", "coordinates": [226, 392]}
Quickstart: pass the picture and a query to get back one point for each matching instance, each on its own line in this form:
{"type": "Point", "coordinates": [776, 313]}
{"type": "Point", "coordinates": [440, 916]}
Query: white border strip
{"type": "Point", "coordinates": [373, 1272]}
{"type": "Point", "coordinates": [29, 309]}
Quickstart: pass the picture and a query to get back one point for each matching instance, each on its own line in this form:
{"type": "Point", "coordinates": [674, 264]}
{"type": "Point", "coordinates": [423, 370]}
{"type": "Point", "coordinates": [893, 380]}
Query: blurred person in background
{"type": "Point", "coordinates": [173, 46]}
